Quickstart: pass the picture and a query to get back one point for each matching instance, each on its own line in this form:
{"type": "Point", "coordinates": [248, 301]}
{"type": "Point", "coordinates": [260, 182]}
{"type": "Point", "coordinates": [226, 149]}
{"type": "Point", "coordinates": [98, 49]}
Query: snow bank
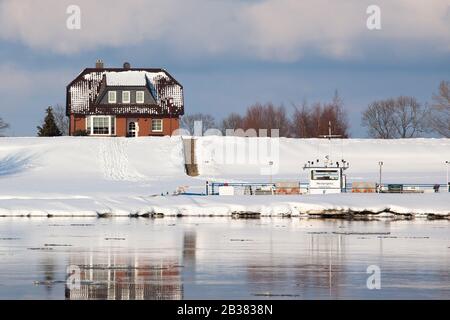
{"type": "Point", "coordinates": [119, 176]}
{"type": "Point", "coordinates": [343, 204]}
{"type": "Point", "coordinates": [80, 166]}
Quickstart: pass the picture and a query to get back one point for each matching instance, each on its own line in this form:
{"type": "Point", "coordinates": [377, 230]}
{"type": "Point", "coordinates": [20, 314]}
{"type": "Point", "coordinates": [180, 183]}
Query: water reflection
{"type": "Point", "coordinates": [317, 269]}
{"type": "Point", "coordinates": [48, 269]}
{"type": "Point", "coordinates": [125, 278]}
{"type": "Point", "coordinates": [120, 277]}
{"type": "Point", "coordinates": [137, 259]}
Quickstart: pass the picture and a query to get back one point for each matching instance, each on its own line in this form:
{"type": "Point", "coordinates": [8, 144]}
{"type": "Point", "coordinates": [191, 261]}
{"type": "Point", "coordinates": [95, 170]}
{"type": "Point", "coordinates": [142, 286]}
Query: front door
{"type": "Point", "coordinates": [133, 128]}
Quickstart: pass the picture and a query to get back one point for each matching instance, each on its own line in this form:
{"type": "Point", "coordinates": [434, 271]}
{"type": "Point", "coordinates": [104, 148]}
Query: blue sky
{"type": "Point", "coordinates": [227, 54]}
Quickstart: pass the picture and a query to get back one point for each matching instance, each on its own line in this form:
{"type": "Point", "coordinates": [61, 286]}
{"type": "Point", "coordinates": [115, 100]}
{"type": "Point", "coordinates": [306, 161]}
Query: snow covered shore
{"type": "Point", "coordinates": [79, 176]}
{"type": "Point", "coordinates": [329, 205]}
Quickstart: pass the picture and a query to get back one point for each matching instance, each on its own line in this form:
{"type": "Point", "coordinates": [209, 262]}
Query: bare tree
{"type": "Point", "coordinates": [337, 115]}
{"type": "Point", "coordinates": [276, 118]}
{"type": "Point", "coordinates": [312, 122]}
{"type": "Point", "coordinates": [254, 118]}
{"type": "Point", "coordinates": [3, 126]}
{"type": "Point", "coordinates": [378, 119]}
{"type": "Point", "coordinates": [410, 117]}
{"type": "Point", "coordinates": [401, 117]}
{"type": "Point", "coordinates": [301, 124]}
{"type": "Point", "coordinates": [267, 117]}
{"type": "Point", "coordinates": [61, 119]}
{"type": "Point", "coordinates": [232, 121]}
{"type": "Point", "coordinates": [207, 120]}
{"type": "Point", "coordinates": [440, 110]}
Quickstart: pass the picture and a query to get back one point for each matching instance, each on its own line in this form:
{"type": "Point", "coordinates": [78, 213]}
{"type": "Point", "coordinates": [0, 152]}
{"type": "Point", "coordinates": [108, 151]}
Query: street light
{"type": "Point", "coordinates": [448, 182]}
{"type": "Point", "coordinates": [380, 163]}
{"type": "Point", "coordinates": [270, 164]}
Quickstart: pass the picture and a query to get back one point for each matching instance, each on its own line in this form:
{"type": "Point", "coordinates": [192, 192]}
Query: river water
{"type": "Point", "coordinates": [223, 258]}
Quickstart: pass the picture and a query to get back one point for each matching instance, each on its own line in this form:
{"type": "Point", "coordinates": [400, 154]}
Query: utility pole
{"type": "Point", "coordinates": [380, 163]}
{"type": "Point", "coordinates": [329, 136]}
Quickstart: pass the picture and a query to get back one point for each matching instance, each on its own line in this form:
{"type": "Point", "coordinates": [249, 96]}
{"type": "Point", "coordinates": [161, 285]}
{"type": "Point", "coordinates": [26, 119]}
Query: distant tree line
{"type": "Point", "coordinates": [306, 121]}
{"type": "Point", "coordinates": [440, 110]}
{"type": "Point", "coordinates": [401, 117]}
{"type": "Point", "coordinates": [313, 121]}
{"type": "Point", "coordinates": [398, 117]}
{"type": "Point", "coordinates": [405, 117]}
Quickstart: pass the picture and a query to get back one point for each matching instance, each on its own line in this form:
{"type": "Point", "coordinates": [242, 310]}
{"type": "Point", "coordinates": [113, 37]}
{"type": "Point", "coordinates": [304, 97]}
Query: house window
{"type": "Point", "coordinates": [139, 96]}
{"type": "Point", "coordinates": [125, 96]}
{"type": "Point", "coordinates": [157, 125]}
{"type": "Point", "coordinates": [101, 125]}
{"type": "Point", "coordinates": [112, 97]}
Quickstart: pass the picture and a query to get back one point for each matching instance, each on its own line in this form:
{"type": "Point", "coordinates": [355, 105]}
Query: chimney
{"type": "Point", "coordinates": [126, 65]}
{"type": "Point", "coordinates": [99, 64]}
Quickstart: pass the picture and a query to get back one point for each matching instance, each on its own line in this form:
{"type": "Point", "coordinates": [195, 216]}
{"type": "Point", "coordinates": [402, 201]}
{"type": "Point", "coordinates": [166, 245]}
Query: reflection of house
{"type": "Point", "coordinates": [189, 257]}
{"type": "Point", "coordinates": [127, 281]}
{"type": "Point", "coordinates": [189, 247]}
{"type": "Point", "coordinates": [124, 102]}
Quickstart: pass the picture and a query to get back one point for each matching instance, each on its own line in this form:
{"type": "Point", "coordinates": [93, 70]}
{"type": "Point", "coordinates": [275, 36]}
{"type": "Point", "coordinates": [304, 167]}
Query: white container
{"type": "Point", "coordinates": [226, 191]}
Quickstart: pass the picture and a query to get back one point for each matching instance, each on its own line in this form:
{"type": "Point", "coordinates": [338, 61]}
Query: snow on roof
{"type": "Point", "coordinates": [85, 90]}
{"type": "Point", "coordinates": [126, 78]}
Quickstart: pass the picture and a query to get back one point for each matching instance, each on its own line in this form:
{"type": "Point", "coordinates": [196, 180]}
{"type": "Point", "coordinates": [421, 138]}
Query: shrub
{"type": "Point", "coordinates": [80, 133]}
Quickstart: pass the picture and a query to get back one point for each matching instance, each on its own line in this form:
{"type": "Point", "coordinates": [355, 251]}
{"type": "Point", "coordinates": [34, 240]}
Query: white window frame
{"type": "Point", "coordinates": [110, 97]}
{"type": "Point", "coordinates": [161, 130]}
{"type": "Point", "coordinates": [111, 120]}
{"type": "Point", "coordinates": [129, 97]}
{"type": "Point", "coordinates": [143, 97]}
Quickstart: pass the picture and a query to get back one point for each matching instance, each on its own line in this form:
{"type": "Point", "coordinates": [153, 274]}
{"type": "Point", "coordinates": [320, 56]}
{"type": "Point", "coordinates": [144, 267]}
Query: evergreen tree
{"type": "Point", "coordinates": [3, 126]}
{"type": "Point", "coordinates": [49, 128]}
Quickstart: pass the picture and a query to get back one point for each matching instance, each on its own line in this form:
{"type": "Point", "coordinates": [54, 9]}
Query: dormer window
{"type": "Point", "coordinates": [125, 96]}
{"type": "Point", "coordinates": [112, 97]}
{"type": "Point", "coordinates": [139, 96]}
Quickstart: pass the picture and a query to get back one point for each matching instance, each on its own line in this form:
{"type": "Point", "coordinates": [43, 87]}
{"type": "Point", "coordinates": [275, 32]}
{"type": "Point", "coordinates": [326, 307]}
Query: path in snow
{"type": "Point", "coordinates": [114, 162]}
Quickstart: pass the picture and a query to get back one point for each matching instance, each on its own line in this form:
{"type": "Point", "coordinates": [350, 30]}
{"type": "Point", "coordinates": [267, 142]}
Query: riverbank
{"type": "Point", "coordinates": [292, 205]}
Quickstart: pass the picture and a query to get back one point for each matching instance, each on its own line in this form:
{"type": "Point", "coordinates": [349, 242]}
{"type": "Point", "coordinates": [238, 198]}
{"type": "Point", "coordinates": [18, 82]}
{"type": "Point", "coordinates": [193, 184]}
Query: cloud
{"type": "Point", "coordinates": [273, 30]}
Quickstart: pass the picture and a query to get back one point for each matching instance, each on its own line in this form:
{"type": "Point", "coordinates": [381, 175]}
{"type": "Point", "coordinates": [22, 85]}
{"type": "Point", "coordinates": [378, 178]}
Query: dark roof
{"type": "Point", "coordinates": [84, 89]}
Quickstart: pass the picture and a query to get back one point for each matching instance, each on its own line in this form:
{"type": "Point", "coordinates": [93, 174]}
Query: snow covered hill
{"type": "Point", "coordinates": [405, 160]}
{"type": "Point", "coordinates": [86, 175]}
{"type": "Point", "coordinates": [78, 166]}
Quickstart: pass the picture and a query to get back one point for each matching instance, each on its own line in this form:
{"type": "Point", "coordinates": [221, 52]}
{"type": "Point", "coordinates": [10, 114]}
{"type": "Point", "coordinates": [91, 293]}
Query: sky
{"type": "Point", "coordinates": [227, 54]}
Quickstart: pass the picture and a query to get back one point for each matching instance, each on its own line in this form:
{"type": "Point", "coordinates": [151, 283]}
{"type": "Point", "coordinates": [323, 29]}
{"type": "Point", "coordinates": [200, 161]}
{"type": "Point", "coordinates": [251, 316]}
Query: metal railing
{"type": "Point", "coordinates": [212, 188]}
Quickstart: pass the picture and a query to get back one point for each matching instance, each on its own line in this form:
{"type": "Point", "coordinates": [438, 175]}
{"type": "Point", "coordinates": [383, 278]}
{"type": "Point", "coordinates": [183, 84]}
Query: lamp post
{"type": "Point", "coordinates": [447, 163]}
{"type": "Point", "coordinates": [380, 163]}
{"type": "Point", "coordinates": [270, 164]}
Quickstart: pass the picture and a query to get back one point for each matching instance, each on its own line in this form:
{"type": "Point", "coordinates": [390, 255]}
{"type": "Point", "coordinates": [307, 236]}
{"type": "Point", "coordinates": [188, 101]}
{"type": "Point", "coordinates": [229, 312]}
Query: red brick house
{"type": "Point", "coordinates": [125, 102]}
